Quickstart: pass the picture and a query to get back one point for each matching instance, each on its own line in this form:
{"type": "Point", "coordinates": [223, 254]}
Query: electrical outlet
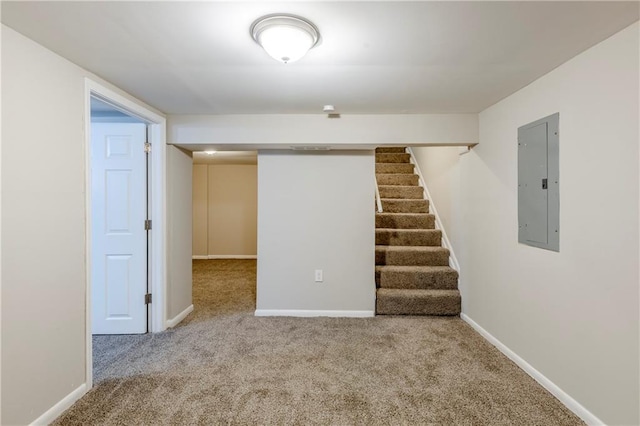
{"type": "Point", "coordinates": [318, 275]}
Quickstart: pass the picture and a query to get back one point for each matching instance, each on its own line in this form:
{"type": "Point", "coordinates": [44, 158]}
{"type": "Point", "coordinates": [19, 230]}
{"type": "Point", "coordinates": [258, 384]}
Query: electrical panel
{"type": "Point", "coordinates": [538, 183]}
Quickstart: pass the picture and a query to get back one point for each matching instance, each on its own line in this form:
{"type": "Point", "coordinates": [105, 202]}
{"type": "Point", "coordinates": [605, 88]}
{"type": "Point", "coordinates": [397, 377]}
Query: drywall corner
{"type": "Point", "coordinates": [179, 222]}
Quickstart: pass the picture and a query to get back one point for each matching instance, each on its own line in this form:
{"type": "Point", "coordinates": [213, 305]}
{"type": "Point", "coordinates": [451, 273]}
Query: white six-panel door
{"type": "Point", "coordinates": [119, 238]}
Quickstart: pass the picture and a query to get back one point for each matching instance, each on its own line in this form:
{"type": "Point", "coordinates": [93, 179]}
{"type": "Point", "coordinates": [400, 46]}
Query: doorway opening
{"type": "Point", "coordinates": [224, 239]}
{"type": "Point", "coordinates": [119, 221]}
{"type": "Point", "coordinates": [124, 218]}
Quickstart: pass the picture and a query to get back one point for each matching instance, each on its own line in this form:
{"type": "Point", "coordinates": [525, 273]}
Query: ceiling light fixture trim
{"type": "Point", "coordinates": [285, 37]}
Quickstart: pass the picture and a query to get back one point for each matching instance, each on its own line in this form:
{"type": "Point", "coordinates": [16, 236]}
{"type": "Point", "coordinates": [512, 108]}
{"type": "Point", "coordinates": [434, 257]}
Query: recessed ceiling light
{"type": "Point", "coordinates": [286, 38]}
{"type": "Point", "coordinates": [210, 152]}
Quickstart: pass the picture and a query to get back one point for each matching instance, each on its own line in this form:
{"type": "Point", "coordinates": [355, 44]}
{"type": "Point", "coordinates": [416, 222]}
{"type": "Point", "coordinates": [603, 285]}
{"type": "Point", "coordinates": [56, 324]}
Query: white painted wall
{"type": "Point", "coordinates": [572, 315]}
{"type": "Point", "coordinates": [282, 131]}
{"type": "Point", "coordinates": [316, 211]}
{"type": "Point", "coordinates": [440, 169]}
{"type": "Point", "coordinates": [179, 224]}
{"type": "Point", "coordinates": [200, 211]}
{"type": "Point", "coordinates": [43, 223]}
{"type": "Point", "coordinates": [225, 210]}
{"type": "Point", "coordinates": [1, 191]}
{"type": "Point", "coordinates": [233, 209]}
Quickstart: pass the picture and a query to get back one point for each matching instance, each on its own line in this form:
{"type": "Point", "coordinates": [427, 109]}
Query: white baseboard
{"type": "Point", "coordinates": [587, 416]}
{"type": "Point", "coordinates": [226, 256]}
{"type": "Point", "coordinates": [178, 318]}
{"type": "Point", "coordinates": [312, 313]}
{"type": "Point", "coordinates": [54, 412]}
{"type": "Point", "coordinates": [199, 257]}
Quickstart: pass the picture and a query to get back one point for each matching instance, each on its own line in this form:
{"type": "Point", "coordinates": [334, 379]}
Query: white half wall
{"type": "Point", "coordinates": [316, 211]}
{"type": "Point", "coordinates": [572, 315]}
{"type": "Point", "coordinates": [285, 130]}
{"type": "Point", "coordinates": [179, 223]}
{"type": "Point", "coordinates": [43, 223]}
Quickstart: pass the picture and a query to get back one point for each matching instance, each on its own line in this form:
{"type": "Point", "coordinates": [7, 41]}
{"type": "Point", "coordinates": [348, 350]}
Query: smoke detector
{"type": "Point", "coordinates": [331, 111]}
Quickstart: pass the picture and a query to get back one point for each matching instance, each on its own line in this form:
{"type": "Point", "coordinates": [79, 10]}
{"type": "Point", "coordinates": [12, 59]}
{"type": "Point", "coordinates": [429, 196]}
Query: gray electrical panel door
{"type": "Point", "coordinates": [538, 184]}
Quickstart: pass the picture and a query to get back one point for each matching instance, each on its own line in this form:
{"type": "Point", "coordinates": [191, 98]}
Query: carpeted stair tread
{"type": "Point", "coordinates": [388, 149]}
{"type": "Point", "coordinates": [392, 158]}
{"type": "Point", "coordinates": [411, 255]}
{"type": "Point", "coordinates": [391, 301]}
{"type": "Point", "coordinates": [401, 192]}
{"type": "Point", "coordinates": [416, 277]}
{"type": "Point", "coordinates": [405, 220]}
{"type": "Point", "coordinates": [394, 168]}
{"type": "Point", "coordinates": [408, 237]}
{"type": "Point", "coordinates": [412, 272]}
{"type": "Point", "coordinates": [403, 179]}
{"type": "Point", "coordinates": [399, 205]}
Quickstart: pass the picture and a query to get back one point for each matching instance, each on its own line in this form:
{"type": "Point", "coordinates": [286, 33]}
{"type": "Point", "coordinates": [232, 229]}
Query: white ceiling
{"type": "Point", "coordinates": [375, 57]}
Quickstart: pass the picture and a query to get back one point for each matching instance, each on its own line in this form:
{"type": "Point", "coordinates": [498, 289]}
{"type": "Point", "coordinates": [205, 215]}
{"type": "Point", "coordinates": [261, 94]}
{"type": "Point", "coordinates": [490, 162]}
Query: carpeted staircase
{"type": "Point", "coordinates": [412, 268]}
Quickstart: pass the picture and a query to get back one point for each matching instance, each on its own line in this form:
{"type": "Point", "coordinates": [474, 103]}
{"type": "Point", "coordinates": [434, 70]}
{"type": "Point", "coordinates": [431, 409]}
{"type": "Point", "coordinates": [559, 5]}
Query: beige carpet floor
{"type": "Point", "coordinates": [222, 365]}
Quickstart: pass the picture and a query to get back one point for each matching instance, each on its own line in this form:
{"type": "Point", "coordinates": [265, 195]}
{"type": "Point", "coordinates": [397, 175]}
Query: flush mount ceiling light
{"type": "Point", "coordinates": [286, 38]}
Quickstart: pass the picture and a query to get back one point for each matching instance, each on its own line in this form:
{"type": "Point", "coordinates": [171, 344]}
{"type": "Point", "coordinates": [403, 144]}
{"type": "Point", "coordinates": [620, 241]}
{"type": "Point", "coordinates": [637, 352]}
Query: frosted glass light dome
{"type": "Point", "coordinates": [286, 38]}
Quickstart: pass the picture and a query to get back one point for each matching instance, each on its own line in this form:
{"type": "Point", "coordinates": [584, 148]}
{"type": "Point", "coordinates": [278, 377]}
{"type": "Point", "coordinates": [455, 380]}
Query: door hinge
{"type": "Point", "coordinates": [147, 147]}
{"type": "Point", "coordinates": [147, 298]}
{"type": "Point", "coordinates": [147, 224]}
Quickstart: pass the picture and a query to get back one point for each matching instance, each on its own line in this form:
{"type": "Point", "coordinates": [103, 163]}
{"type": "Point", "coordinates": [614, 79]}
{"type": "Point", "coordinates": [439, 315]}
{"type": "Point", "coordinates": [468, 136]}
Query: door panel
{"type": "Point", "coordinates": [119, 240]}
{"type": "Point", "coordinates": [117, 207]}
{"type": "Point", "coordinates": [533, 203]}
{"type": "Point", "coordinates": [118, 282]}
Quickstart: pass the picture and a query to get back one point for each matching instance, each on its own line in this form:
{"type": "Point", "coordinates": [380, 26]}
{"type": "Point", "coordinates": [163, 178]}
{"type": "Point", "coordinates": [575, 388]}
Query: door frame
{"type": "Point", "coordinates": [157, 316]}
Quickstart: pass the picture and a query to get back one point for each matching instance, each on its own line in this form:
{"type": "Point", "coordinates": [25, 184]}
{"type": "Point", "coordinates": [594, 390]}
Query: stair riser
{"type": "Point", "coordinates": [403, 168]}
{"type": "Point", "coordinates": [402, 192]}
{"type": "Point", "coordinates": [424, 258]}
{"type": "Point", "coordinates": [405, 206]}
{"type": "Point", "coordinates": [392, 158]}
{"type": "Point", "coordinates": [417, 280]}
{"type": "Point", "coordinates": [412, 275]}
{"type": "Point", "coordinates": [397, 179]}
{"type": "Point", "coordinates": [396, 237]}
{"type": "Point", "coordinates": [446, 305]}
{"type": "Point", "coordinates": [394, 150]}
{"type": "Point", "coordinates": [423, 221]}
